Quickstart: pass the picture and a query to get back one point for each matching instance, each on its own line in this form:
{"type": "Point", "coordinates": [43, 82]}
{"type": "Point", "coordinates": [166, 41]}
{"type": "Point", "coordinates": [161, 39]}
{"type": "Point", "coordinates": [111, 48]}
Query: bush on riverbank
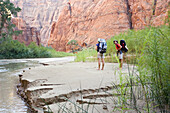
{"type": "Point", "coordinates": [83, 55]}
{"type": "Point", "coordinates": [10, 49]}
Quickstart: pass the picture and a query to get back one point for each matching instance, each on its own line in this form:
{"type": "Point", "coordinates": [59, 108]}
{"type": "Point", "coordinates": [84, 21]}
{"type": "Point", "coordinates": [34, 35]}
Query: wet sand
{"type": "Point", "coordinates": [70, 86]}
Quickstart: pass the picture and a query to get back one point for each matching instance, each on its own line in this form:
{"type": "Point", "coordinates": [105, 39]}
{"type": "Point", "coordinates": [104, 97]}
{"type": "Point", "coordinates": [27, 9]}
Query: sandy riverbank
{"type": "Point", "coordinates": [61, 84]}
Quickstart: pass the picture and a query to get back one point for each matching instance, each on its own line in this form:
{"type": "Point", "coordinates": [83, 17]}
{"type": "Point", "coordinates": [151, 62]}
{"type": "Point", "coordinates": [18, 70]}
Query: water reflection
{"type": "Point", "coordinates": [2, 69]}
{"type": "Point", "coordinates": [9, 100]}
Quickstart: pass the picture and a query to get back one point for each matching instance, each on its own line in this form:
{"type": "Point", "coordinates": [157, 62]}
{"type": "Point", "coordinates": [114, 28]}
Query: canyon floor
{"type": "Point", "coordinates": [67, 86]}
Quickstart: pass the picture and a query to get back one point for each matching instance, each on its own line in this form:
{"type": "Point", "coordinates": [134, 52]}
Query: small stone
{"type": "Point", "coordinates": [105, 107]}
{"type": "Point", "coordinates": [44, 108]}
{"type": "Point", "coordinates": [20, 75]}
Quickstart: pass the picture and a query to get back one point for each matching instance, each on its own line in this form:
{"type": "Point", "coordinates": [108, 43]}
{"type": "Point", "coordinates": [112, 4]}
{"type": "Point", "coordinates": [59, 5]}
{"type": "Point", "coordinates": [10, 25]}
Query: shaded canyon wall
{"type": "Point", "coordinates": [29, 34]}
{"type": "Point", "coordinates": [39, 14]}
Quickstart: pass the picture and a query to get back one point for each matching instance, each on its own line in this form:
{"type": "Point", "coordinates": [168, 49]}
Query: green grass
{"type": "Point", "coordinates": [154, 65]}
{"type": "Point", "coordinates": [55, 53]}
{"type": "Point", "coordinates": [10, 49]}
{"type": "Point", "coordinates": [83, 55]}
{"type": "Point", "coordinates": [134, 39]}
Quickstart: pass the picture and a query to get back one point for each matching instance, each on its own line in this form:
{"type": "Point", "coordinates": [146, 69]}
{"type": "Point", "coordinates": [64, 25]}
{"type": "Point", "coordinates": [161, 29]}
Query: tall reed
{"type": "Point", "coordinates": [155, 61]}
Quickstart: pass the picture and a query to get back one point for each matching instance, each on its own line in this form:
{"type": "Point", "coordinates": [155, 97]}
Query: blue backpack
{"type": "Point", "coordinates": [102, 46]}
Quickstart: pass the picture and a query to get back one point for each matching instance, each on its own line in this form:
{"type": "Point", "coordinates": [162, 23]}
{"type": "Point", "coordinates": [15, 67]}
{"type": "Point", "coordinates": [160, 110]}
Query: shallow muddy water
{"type": "Point", "coordinates": [10, 102]}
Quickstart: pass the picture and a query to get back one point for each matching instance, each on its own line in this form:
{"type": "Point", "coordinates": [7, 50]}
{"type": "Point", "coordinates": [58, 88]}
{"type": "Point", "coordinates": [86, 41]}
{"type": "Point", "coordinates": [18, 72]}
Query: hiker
{"type": "Point", "coordinates": [124, 48]}
{"type": "Point", "coordinates": [119, 52]}
{"type": "Point", "coordinates": [101, 47]}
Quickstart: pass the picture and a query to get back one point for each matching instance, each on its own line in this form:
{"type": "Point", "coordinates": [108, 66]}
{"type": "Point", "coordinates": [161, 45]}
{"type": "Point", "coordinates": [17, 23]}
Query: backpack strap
{"type": "Point", "coordinates": [117, 46]}
{"type": "Point", "coordinates": [98, 47]}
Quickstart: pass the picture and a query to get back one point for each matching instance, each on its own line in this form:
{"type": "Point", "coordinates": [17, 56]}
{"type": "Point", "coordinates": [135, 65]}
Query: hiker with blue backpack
{"type": "Point", "coordinates": [120, 49]}
{"type": "Point", "coordinates": [101, 47]}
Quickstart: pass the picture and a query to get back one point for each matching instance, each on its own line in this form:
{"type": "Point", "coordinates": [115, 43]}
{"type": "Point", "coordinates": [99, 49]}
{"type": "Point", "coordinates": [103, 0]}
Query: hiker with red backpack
{"type": "Point", "coordinates": [120, 48]}
{"type": "Point", "coordinates": [101, 47]}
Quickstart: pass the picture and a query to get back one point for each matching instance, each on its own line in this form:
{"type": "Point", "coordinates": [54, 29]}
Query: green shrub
{"type": "Point", "coordinates": [83, 55]}
{"type": "Point", "coordinates": [55, 53]}
{"type": "Point", "coordinates": [38, 51]}
{"type": "Point", "coordinates": [14, 49]}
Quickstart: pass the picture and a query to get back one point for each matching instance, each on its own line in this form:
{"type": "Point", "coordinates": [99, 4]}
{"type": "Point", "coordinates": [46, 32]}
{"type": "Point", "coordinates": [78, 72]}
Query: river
{"type": "Point", "coordinates": [10, 102]}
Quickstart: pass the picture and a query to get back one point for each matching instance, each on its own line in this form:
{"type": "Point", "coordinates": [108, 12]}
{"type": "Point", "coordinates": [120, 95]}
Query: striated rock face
{"type": "Point", "coordinates": [29, 34]}
{"type": "Point", "coordinates": [85, 21]}
{"type": "Point", "coordinates": [142, 13]}
{"type": "Point", "coordinates": [40, 14]}
{"type": "Point", "coordinates": [60, 21]}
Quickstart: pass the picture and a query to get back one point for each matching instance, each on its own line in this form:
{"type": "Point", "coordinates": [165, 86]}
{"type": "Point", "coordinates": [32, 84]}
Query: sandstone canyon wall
{"type": "Point", "coordinates": [60, 21]}
{"type": "Point", "coordinates": [29, 34]}
{"type": "Point", "coordinates": [88, 20]}
{"type": "Point", "coordinates": [40, 14]}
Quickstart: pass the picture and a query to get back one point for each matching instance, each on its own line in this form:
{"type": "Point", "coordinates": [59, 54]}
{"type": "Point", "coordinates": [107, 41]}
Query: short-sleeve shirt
{"type": "Point", "coordinates": [97, 47]}
{"type": "Point", "coordinates": [117, 46]}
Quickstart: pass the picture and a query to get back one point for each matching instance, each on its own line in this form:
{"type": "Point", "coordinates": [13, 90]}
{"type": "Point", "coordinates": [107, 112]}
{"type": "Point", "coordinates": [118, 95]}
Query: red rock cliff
{"type": "Point", "coordinates": [29, 34]}
{"type": "Point", "coordinates": [40, 14]}
{"type": "Point", "coordinates": [85, 21]}
{"type": "Point", "coordinates": [59, 21]}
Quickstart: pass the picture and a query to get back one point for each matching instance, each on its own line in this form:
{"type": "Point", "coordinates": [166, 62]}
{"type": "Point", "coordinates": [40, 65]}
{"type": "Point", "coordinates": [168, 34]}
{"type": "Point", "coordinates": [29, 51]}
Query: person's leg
{"type": "Point", "coordinates": [121, 59]}
{"type": "Point", "coordinates": [98, 63]}
{"type": "Point", "coordinates": [102, 63]}
{"type": "Point", "coordinates": [98, 58]}
{"type": "Point", "coordinates": [102, 58]}
{"type": "Point", "coordinates": [124, 57]}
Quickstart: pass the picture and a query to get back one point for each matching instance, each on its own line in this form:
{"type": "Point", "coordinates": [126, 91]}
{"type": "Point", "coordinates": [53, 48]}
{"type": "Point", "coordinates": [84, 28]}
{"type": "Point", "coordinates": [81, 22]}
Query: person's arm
{"type": "Point", "coordinates": [96, 48]}
{"type": "Point", "coordinates": [119, 46]}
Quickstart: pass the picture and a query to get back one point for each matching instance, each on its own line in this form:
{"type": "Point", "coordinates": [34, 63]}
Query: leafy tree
{"type": "Point", "coordinates": [7, 11]}
{"type": "Point", "coordinates": [73, 44]}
